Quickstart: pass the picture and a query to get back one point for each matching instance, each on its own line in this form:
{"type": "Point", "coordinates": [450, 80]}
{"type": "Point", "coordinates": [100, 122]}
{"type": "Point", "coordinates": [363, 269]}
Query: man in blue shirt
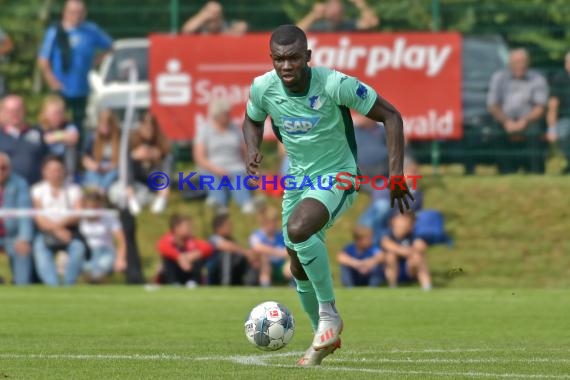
{"type": "Point", "coordinates": [24, 144]}
{"type": "Point", "coordinates": [67, 54]}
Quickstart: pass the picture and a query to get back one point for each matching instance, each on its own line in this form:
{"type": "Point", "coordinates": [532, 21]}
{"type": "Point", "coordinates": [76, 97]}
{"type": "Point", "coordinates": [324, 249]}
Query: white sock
{"type": "Point", "coordinates": [328, 308]}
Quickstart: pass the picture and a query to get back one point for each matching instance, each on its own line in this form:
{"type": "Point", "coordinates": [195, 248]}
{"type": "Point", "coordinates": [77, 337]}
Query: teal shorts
{"type": "Point", "coordinates": [336, 200]}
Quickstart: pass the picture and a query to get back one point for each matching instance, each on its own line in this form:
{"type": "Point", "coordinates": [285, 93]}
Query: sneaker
{"type": "Point", "coordinates": [313, 357]}
{"type": "Point", "coordinates": [328, 332]}
{"type": "Point", "coordinates": [159, 205]}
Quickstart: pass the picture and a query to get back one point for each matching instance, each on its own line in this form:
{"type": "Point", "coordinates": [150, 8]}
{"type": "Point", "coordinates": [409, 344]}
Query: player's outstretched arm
{"type": "Point", "coordinates": [253, 136]}
{"type": "Point", "coordinates": [383, 111]}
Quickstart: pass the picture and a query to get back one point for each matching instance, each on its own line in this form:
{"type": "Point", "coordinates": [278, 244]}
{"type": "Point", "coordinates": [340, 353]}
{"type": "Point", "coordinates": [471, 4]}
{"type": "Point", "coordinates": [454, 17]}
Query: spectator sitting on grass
{"type": "Point", "coordinates": [232, 263]}
{"type": "Point", "coordinates": [16, 234]}
{"type": "Point", "coordinates": [406, 258]}
{"type": "Point", "coordinates": [101, 233]}
{"type": "Point", "coordinates": [268, 243]}
{"type": "Point", "coordinates": [57, 232]}
{"type": "Point", "coordinates": [149, 153]}
{"type": "Point", "coordinates": [372, 156]}
{"type": "Point", "coordinates": [60, 135]}
{"type": "Point", "coordinates": [378, 213]}
{"type": "Point", "coordinates": [219, 151]}
{"type": "Point", "coordinates": [101, 157]}
{"type": "Point", "coordinates": [360, 261]}
{"type": "Point", "coordinates": [182, 254]}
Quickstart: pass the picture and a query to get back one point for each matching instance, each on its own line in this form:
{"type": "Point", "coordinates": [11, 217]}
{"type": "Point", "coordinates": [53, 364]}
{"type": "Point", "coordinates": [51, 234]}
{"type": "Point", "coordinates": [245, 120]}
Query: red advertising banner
{"type": "Point", "coordinates": [420, 73]}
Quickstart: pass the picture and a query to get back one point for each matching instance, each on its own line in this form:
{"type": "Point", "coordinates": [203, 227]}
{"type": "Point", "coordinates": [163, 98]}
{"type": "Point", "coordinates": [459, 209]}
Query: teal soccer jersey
{"type": "Point", "coordinates": [315, 127]}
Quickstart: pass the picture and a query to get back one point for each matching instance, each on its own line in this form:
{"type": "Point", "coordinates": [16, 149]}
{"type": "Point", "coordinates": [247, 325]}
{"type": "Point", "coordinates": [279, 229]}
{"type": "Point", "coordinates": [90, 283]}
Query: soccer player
{"type": "Point", "coordinates": [309, 109]}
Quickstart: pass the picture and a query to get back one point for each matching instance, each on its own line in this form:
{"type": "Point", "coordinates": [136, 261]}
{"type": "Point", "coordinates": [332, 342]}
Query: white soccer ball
{"type": "Point", "coordinates": [269, 326]}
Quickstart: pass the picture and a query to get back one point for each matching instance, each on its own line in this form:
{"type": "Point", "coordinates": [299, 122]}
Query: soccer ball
{"type": "Point", "coordinates": [269, 326]}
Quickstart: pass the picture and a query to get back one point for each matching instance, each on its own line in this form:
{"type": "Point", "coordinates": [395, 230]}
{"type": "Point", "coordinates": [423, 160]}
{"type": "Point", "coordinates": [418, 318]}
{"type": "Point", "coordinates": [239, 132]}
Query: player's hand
{"type": "Point", "coordinates": [253, 163]}
{"type": "Point", "coordinates": [399, 191]}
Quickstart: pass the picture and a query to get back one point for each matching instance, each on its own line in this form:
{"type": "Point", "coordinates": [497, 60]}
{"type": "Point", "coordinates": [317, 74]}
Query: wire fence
{"type": "Point", "coordinates": [538, 25]}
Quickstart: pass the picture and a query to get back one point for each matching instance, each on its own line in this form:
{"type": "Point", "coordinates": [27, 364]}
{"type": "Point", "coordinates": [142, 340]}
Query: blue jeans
{"type": "Point", "coordinates": [100, 263]}
{"type": "Point", "coordinates": [221, 194]}
{"type": "Point", "coordinates": [351, 277]}
{"type": "Point", "coordinates": [21, 265]}
{"type": "Point", "coordinates": [101, 180]}
{"type": "Point", "coordinates": [45, 263]}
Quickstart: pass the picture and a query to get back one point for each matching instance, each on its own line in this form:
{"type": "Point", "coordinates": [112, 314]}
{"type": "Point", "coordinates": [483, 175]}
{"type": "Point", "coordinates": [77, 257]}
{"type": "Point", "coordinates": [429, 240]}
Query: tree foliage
{"type": "Point", "coordinates": [539, 25]}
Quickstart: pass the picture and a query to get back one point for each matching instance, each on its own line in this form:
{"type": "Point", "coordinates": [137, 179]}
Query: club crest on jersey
{"type": "Point", "coordinates": [361, 91]}
{"type": "Point", "coordinates": [299, 125]}
{"type": "Point", "coordinates": [315, 102]}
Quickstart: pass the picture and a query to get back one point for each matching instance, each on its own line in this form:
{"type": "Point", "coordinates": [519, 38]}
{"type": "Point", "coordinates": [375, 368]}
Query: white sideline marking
{"type": "Point", "coordinates": [261, 360]}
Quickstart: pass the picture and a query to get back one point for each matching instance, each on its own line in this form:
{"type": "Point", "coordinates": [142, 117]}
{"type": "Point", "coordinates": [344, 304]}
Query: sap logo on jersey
{"type": "Point", "coordinates": [299, 125]}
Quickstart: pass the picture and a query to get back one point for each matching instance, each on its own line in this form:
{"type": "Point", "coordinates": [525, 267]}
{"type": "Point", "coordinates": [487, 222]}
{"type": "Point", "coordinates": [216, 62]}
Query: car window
{"type": "Point", "coordinates": [117, 74]}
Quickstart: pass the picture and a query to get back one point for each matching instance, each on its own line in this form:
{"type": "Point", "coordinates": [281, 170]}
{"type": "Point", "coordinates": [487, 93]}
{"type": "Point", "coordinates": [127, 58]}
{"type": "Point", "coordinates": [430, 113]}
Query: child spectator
{"type": "Point", "coordinates": [405, 253]}
{"type": "Point", "coordinates": [231, 264]}
{"type": "Point", "coordinates": [60, 135]}
{"type": "Point", "coordinates": [268, 243]}
{"type": "Point", "coordinates": [149, 153]}
{"type": "Point", "coordinates": [101, 157]}
{"type": "Point", "coordinates": [360, 261]}
{"type": "Point", "coordinates": [182, 254]}
{"type": "Point", "coordinates": [101, 233]}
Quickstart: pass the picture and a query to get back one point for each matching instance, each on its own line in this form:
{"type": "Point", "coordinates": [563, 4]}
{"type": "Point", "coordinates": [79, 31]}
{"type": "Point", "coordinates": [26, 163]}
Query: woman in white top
{"type": "Point", "coordinates": [56, 230]}
{"type": "Point", "coordinates": [105, 239]}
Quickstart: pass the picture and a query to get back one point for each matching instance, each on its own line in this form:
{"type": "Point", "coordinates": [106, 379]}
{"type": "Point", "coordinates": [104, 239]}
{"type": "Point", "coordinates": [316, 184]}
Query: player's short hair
{"type": "Point", "coordinates": [287, 35]}
{"type": "Point", "coordinates": [177, 219]}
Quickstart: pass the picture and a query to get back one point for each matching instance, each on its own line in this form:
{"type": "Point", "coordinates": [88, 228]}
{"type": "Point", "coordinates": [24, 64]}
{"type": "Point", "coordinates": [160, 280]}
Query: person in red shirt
{"type": "Point", "coordinates": [182, 254]}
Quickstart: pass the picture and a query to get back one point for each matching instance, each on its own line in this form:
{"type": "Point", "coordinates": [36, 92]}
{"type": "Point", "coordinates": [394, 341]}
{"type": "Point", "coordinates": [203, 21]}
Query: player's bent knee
{"type": "Point", "coordinates": [297, 232]}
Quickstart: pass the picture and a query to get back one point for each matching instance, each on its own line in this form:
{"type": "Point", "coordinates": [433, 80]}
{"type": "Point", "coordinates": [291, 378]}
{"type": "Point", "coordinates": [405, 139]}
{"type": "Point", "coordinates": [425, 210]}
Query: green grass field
{"type": "Point", "coordinates": [131, 333]}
